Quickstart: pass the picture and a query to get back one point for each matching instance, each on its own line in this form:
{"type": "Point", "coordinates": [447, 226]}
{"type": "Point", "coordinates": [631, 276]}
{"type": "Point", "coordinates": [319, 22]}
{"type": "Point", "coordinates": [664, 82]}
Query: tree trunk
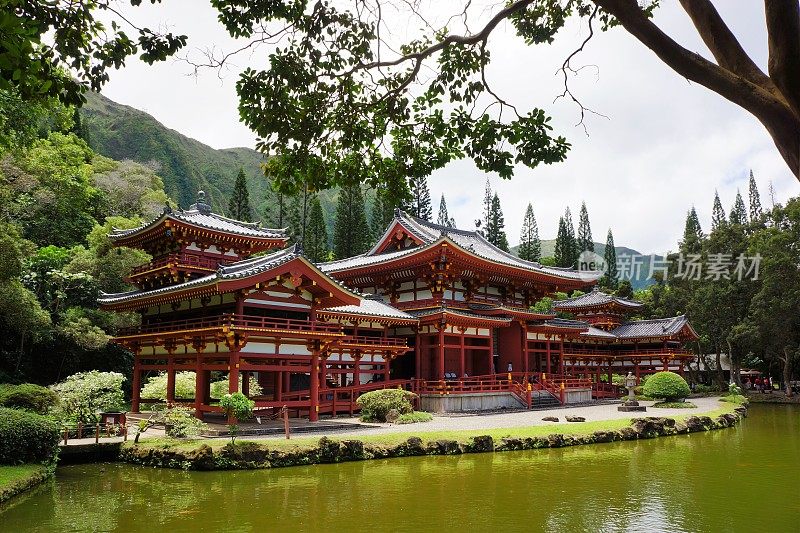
{"type": "Point", "coordinates": [720, 375]}
{"type": "Point", "coordinates": [787, 371]}
{"type": "Point", "coordinates": [735, 366]}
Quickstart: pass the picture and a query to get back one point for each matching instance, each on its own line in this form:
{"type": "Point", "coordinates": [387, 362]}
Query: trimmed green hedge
{"type": "Point", "coordinates": [26, 437]}
{"type": "Point", "coordinates": [29, 397]}
{"type": "Point", "coordinates": [375, 405]}
{"type": "Point", "coordinates": [667, 385]}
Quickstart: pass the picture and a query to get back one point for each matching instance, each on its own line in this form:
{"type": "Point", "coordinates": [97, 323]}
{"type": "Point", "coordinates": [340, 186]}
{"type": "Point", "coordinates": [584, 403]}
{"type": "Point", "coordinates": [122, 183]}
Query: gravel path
{"type": "Point", "coordinates": [515, 419]}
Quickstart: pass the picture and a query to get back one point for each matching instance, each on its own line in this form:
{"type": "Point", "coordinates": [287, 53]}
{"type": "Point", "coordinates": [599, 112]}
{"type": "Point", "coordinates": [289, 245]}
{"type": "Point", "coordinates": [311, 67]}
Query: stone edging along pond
{"type": "Point", "coordinates": [252, 455]}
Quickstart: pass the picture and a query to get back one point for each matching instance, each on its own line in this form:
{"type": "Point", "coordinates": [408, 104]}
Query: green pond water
{"type": "Point", "coordinates": [741, 479]}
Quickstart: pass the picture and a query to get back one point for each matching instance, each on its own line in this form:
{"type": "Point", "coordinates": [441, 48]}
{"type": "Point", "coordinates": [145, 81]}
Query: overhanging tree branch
{"type": "Point", "coordinates": [783, 34]}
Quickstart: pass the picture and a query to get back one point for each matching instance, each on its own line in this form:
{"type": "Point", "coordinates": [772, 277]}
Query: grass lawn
{"type": "Point", "coordinates": [17, 478]}
{"type": "Point", "coordinates": [304, 443]}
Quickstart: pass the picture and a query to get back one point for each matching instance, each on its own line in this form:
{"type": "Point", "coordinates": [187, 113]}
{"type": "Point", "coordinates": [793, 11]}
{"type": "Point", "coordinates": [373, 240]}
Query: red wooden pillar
{"type": "Point", "coordinates": [548, 355]}
{"type": "Point", "coordinates": [440, 358]}
{"type": "Point", "coordinates": [418, 356]}
{"type": "Point", "coordinates": [636, 370]}
{"type": "Point", "coordinates": [277, 386]}
{"type": "Point", "coordinates": [462, 358]}
{"type": "Point", "coordinates": [356, 369]}
{"type": "Point", "coordinates": [313, 413]}
{"type": "Point", "coordinates": [233, 371]}
{"type": "Point", "coordinates": [323, 373]}
{"type": "Point", "coordinates": [170, 379]}
{"type": "Point", "coordinates": [387, 359]}
{"type": "Point", "coordinates": [665, 362]}
{"type": "Point", "coordinates": [199, 385]}
{"type": "Point", "coordinates": [492, 370]}
{"type": "Point", "coordinates": [137, 384]}
{"type": "Point", "coordinates": [561, 356]}
{"type": "Point", "coordinates": [525, 362]}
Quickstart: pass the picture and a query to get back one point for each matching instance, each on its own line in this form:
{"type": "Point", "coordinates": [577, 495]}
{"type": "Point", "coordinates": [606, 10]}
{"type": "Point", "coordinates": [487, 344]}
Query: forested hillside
{"type": "Point", "coordinates": [185, 164]}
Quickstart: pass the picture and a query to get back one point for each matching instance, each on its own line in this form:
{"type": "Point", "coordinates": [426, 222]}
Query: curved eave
{"type": "Point", "coordinates": [606, 307]}
{"type": "Point", "coordinates": [216, 285]}
{"type": "Point", "coordinates": [444, 241]}
{"type": "Point", "coordinates": [381, 319]}
{"type": "Point", "coordinates": [454, 318]}
{"type": "Point", "coordinates": [155, 230]}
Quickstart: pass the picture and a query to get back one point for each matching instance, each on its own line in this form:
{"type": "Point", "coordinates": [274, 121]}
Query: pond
{"type": "Point", "coordinates": [741, 479]}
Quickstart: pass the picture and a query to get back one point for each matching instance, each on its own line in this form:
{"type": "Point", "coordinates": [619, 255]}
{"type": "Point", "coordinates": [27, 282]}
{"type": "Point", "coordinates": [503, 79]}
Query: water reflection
{"type": "Point", "coordinates": [717, 481]}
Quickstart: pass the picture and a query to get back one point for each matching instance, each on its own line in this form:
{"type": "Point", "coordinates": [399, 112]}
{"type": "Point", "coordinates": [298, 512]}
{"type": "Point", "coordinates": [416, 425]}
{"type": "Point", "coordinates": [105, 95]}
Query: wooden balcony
{"type": "Point", "coordinates": [168, 264]}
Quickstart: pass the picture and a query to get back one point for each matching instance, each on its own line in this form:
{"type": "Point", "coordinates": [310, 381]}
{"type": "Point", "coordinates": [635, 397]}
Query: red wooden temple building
{"type": "Point", "coordinates": [434, 309]}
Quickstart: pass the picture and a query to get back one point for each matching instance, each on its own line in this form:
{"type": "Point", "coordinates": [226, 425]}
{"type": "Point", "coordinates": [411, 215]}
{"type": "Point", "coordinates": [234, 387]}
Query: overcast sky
{"type": "Point", "coordinates": [666, 145]}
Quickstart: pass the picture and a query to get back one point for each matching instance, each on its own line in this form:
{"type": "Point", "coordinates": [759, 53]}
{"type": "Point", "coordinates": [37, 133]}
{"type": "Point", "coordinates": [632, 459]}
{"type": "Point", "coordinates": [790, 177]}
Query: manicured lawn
{"type": "Point", "coordinates": [304, 443]}
{"type": "Point", "coordinates": [17, 478]}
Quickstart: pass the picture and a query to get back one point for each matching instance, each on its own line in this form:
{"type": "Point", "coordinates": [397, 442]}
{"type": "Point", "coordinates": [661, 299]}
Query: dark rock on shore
{"type": "Point", "coordinates": [575, 419]}
{"type": "Point", "coordinates": [550, 418]}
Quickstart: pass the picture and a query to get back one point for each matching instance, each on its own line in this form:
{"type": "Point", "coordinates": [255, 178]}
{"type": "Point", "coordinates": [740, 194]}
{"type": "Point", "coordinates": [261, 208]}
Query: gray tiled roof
{"type": "Point", "coordinates": [470, 241]}
{"type": "Point", "coordinates": [659, 327]}
{"type": "Point", "coordinates": [598, 333]}
{"type": "Point", "coordinates": [593, 298]}
{"type": "Point", "coordinates": [419, 313]}
{"type": "Point", "coordinates": [206, 219]}
{"type": "Point", "coordinates": [370, 306]}
{"type": "Point", "coordinates": [565, 323]}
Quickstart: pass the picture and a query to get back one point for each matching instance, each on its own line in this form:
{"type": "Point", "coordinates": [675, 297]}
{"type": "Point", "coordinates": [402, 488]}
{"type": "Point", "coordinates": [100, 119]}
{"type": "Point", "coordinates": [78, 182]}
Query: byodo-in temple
{"type": "Point", "coordinates": [436, 310]}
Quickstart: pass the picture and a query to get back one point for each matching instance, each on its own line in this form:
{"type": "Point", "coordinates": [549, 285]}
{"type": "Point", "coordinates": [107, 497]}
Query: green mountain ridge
{"type": "Point", "coordinates": [186, 165]}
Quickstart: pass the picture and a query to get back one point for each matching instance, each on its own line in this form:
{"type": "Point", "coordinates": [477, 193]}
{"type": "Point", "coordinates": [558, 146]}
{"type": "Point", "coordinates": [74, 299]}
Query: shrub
{"type": "Point", "coordinates": [738, 399]}
{"type": "Point", "coordinates": [414, 417]}
{"type": "Point", "coordinates": [156, 387]}
{"type": "Point", "coordinates": [667, 385]}
{"type": "Point", "coordinates": [376, 404]}
{"type": "Point", "coordinates": [27, 437]}
{"type": "Point", "coordinates": [180, 422]}
{"type": "Point", "coordinates": [239, 406]}
{"type": "Point", "coordinates": [29, 397]}
{"type": "Point", "coordinates": [84, 395]}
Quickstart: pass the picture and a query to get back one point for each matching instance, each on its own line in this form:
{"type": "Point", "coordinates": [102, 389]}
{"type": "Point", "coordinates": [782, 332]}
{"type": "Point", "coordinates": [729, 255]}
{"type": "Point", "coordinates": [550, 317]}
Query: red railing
{"type": "Point", "coordinates": [607, 390]}
{"type": "Point", "coordinates": [181, 260]}
{"type": "Point", "coordinates": [375, 341]}
{"type": "Point", "coordinates": [616, 352]}
{"type": "Point", "coordinates": [233, 321]}
{"type": "Point", "coordinates": [334, 400]}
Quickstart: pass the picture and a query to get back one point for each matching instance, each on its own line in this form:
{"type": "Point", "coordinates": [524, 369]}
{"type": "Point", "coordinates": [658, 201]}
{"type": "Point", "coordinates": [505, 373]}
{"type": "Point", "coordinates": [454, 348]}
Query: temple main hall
{"type": "Point", "coordinates": [436, 310]}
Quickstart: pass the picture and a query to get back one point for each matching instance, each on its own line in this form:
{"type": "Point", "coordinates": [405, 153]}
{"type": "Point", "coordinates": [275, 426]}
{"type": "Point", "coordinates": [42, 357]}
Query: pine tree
{"type": "Point", "coordinates": [421, 198]}
{"type": "Point", "coordinates": [530, 247]}
{"type": "Point", "coordinates": [315, 245]}
{"type": "Point", "coordinates": [717, 213]}
{"type": "Point", "coordinates": [755, 200]}
{"type": "Point", "coordinates": [444, 218]}
{"type": "Point", "coordinates": [482, 224]}
{"type": "Point", "coordinates": [561, 253]}
{"type": "Point", "coordinates": [496, 233]}
{"type": "Point", "coordinates": [692, 242]}
{"type": "Point", "coordinates": [572, 242]}
{"type": "Point", "coordinates": [738, 211]}
{"type": "Point", "coordinates": [351, 232]}
{"type": "Point", "coordinates": [610, 256]}
{"type": "Point", "coordinates": [392, 195]}
{"type": "Point", "coordinates": [239, 205]}
{"type": "Point", "coordinates": [585, 241]}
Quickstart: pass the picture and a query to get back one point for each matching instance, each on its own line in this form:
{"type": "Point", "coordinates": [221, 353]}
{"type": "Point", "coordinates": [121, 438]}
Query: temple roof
{"type": "Point", "coordinates": [370, 305]}
{"type": "Point", "coordinates": [201, 216]}
{"type": "Point", "coordinates": [227, 273]}
{"type": "Point", "coordinates": [429, 234]}
{"type": "Point", "coordinates": [595, 298]}
{"type": "Point", "coordinates": [421, 313]}
{"type": "Point", "coordinates": [659, 327]}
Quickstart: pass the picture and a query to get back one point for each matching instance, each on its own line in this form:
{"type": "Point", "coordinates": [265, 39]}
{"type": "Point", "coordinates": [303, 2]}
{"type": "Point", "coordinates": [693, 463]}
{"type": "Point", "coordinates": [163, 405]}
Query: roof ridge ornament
{"type": "Point", "coordinates": [201, 204]}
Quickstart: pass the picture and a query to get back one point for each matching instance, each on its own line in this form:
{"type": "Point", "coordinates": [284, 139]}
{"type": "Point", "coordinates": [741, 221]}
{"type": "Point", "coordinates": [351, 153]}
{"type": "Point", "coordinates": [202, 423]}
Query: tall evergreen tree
{"type": "Point", "coordinates": [482, 224]}
{"type": "Point", "coordinates": [351, 231]}
{"type": "Point", "coordinates": [315, 245]}
{"type": "Point", "coordinates": [530, 247]}
{"type": "Point", "coordinates": [572, 241]}
{"type": "Point", "coordinates": [692, 242]}
{"type": "Point", "coordinates": [585, 241]}
{"type": "Point", "coordinates": [239, 204]}
{"type": "Point", "coordinates": [496, 231]}
{"type": "Point", "coordinates": [755, 200]}
{"type": "Point", "coordinates": [421, 198]}
{"type": "Point", "coordinates": [610, 257]}
{"type": "Point", "coordinates": [562, 254]}
{"type": "Point", "coordinates": [392, 195]}
{"type": "Point", "coordinates": [738, 211]}
{"type": "Point", "coordinates": [444, 218]}
{"type": "Point", "coordinates": [717, 213]}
